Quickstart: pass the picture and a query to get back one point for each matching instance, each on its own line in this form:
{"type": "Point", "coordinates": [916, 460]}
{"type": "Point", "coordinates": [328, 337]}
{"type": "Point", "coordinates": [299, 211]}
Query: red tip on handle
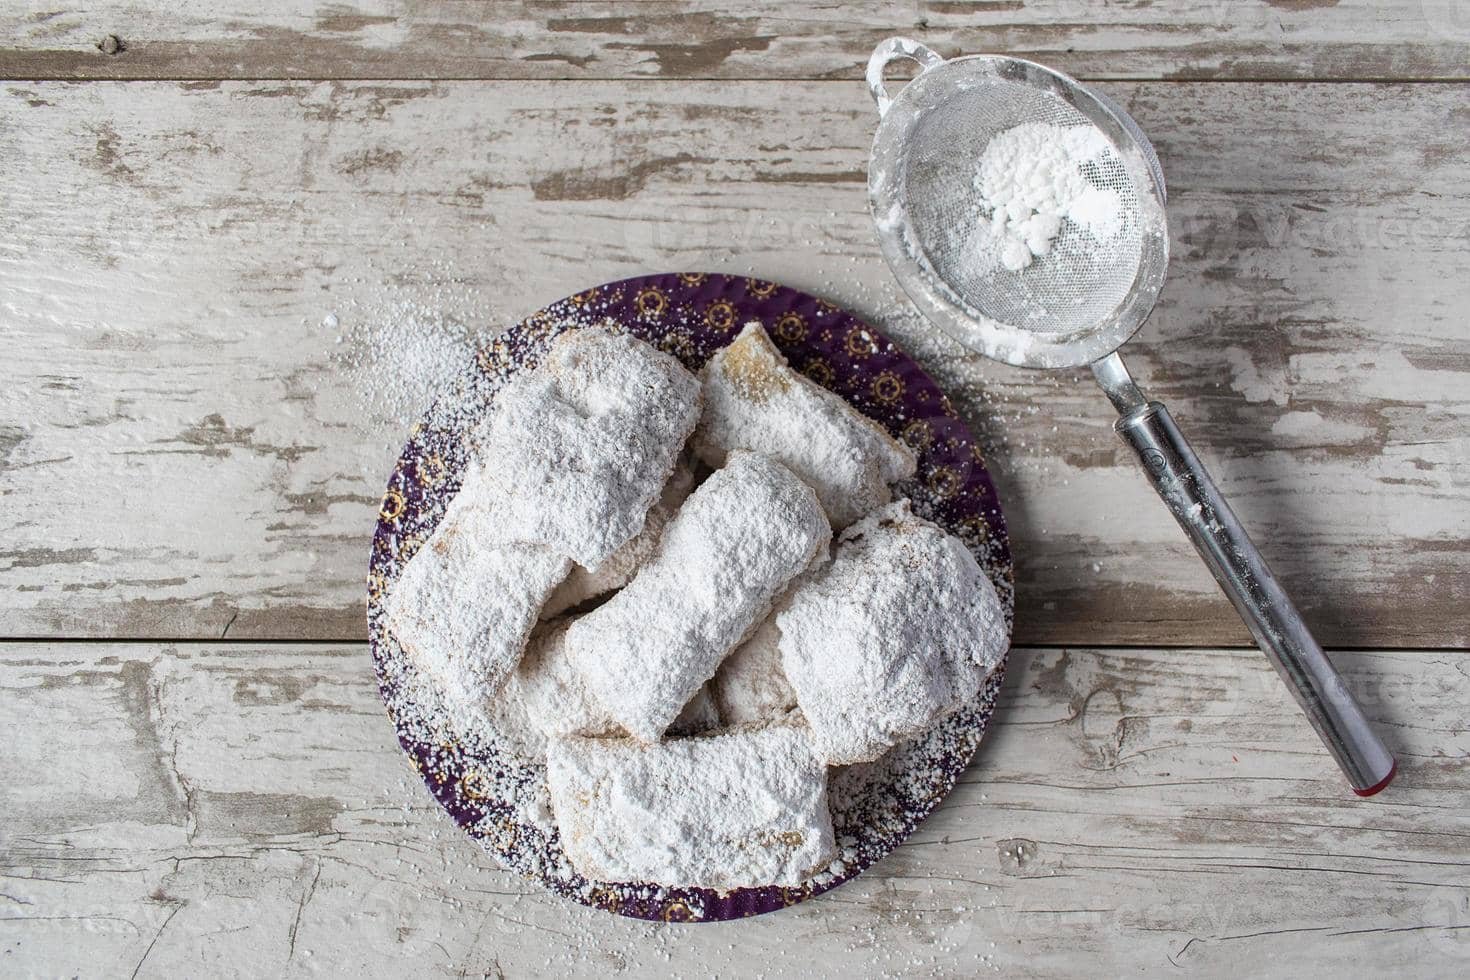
{"type": "Point", "coordinates": [1377, 787]}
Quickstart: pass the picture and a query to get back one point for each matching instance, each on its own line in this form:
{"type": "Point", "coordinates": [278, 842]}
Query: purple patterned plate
{"type": "Point", "coordinates": [498, 796]}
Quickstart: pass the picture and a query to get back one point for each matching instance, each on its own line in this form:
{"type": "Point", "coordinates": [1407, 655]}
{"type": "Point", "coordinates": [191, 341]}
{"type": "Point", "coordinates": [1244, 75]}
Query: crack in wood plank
{"type": "Point", "coordinates": [704, 39]}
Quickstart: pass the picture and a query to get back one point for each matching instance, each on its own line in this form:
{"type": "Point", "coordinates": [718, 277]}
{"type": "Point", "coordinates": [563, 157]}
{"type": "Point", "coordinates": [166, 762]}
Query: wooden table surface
{"type": "Point", "coordinates": [211, 212]}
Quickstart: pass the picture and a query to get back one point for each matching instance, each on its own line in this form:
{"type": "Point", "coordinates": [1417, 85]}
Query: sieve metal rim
{"type": "Point", "coordinates": [898, 239]}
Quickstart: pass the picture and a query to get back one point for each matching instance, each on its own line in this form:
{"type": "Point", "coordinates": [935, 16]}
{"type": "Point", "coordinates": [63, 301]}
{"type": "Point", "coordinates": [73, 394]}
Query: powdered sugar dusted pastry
{"type": "Point", "coordinates": [466, 601]}
{"type": "Point", "coordinates": [699, 716]}
{"type": "Point", "coordinates": [751, 687]}
{"type": "Point", "coordinates": [581, 447]}
{"type": "Point", "coordinates": [509, 718]}
{"type": "Point", "coordinates": [753, 400]}
{"type": "Point", "coordinates": [732, 548]}
{"type": "Point", "coordinates": [582, 584]}
{"type": "Point", "coordinates": [546, 697]}
{"type": "Point", "coordinates": [738, 810]}
{"type": "Point", "coordinates": [556, 699]}
{"type": "Point", "coordinates": [899, 629]}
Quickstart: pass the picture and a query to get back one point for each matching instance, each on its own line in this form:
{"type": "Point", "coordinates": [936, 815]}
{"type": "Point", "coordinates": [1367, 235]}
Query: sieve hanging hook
{"type": "Point", "coordinates": [889, 51]}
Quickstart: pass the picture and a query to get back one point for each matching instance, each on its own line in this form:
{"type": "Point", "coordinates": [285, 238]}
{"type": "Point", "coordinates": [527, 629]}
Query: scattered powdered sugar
{"type": "Point", "coordinates": [754, 400]}
{"type": "Point", "coordinates": [1031, 179]}
{"type": "Point", "coordinates": [734, 810]}
{"type": "Point", "coordinates": [734, 545]}
{"type": "Point", "coordinates": [399, 354]}
{"type": "Point", "coordinates": [897, 630]}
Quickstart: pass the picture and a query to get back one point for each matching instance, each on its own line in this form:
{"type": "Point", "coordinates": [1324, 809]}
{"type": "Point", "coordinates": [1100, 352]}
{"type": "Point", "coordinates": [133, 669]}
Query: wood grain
{"type": "Point", "coordinates": [203, 285]}
{"type": "Point", "coordinates": [243, 809]}
{"type": "Point", "coordinates": [187, 450]}
{"type": "Point", "coordinates": [389, 39]}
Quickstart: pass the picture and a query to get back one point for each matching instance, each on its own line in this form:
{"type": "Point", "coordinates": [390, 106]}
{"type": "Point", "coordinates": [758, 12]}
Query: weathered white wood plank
{"type": "Point", "coordinates": [1354, 39]}
{"type": "Point", "coordinates": [244, 810]}
{"type": "Point", "coordinates": [183, 452]}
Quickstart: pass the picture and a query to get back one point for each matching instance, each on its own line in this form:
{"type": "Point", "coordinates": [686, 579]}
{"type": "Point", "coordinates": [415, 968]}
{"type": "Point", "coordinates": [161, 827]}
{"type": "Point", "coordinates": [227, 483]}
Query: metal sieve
{"type": "Point", "coordinates": [1075, 303]}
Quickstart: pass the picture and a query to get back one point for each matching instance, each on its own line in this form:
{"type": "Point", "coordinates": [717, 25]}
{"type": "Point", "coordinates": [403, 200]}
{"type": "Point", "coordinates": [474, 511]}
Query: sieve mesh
{"type": "Point", "coordinates": [1076, 285]}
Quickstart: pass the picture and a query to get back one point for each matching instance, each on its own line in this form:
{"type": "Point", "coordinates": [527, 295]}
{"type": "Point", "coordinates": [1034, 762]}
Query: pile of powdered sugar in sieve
{"type": "Point", "coordinates": [1031, 182]}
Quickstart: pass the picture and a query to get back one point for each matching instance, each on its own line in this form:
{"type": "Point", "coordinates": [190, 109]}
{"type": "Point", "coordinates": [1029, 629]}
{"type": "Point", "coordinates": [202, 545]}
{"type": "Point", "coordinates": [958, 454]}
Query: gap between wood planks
{"type": "Point", "coordinates": [856, 79]}
{"type": "Point", "coordinates": [244, 641]}
{"type": "Point", "coordinates": [701, 39]}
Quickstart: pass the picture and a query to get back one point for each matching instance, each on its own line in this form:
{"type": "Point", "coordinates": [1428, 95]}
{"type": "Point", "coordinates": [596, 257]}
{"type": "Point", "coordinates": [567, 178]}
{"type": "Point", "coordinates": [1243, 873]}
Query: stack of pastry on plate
{"type": "Point", "coordinates": [690, 655]}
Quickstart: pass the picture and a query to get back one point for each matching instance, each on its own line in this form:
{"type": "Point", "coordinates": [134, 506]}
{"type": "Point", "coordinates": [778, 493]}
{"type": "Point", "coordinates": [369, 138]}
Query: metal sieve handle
{"type": "Point", "coordinates": [1196, 503]}
{"type": "Point", "coordinates": [889, 51]}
